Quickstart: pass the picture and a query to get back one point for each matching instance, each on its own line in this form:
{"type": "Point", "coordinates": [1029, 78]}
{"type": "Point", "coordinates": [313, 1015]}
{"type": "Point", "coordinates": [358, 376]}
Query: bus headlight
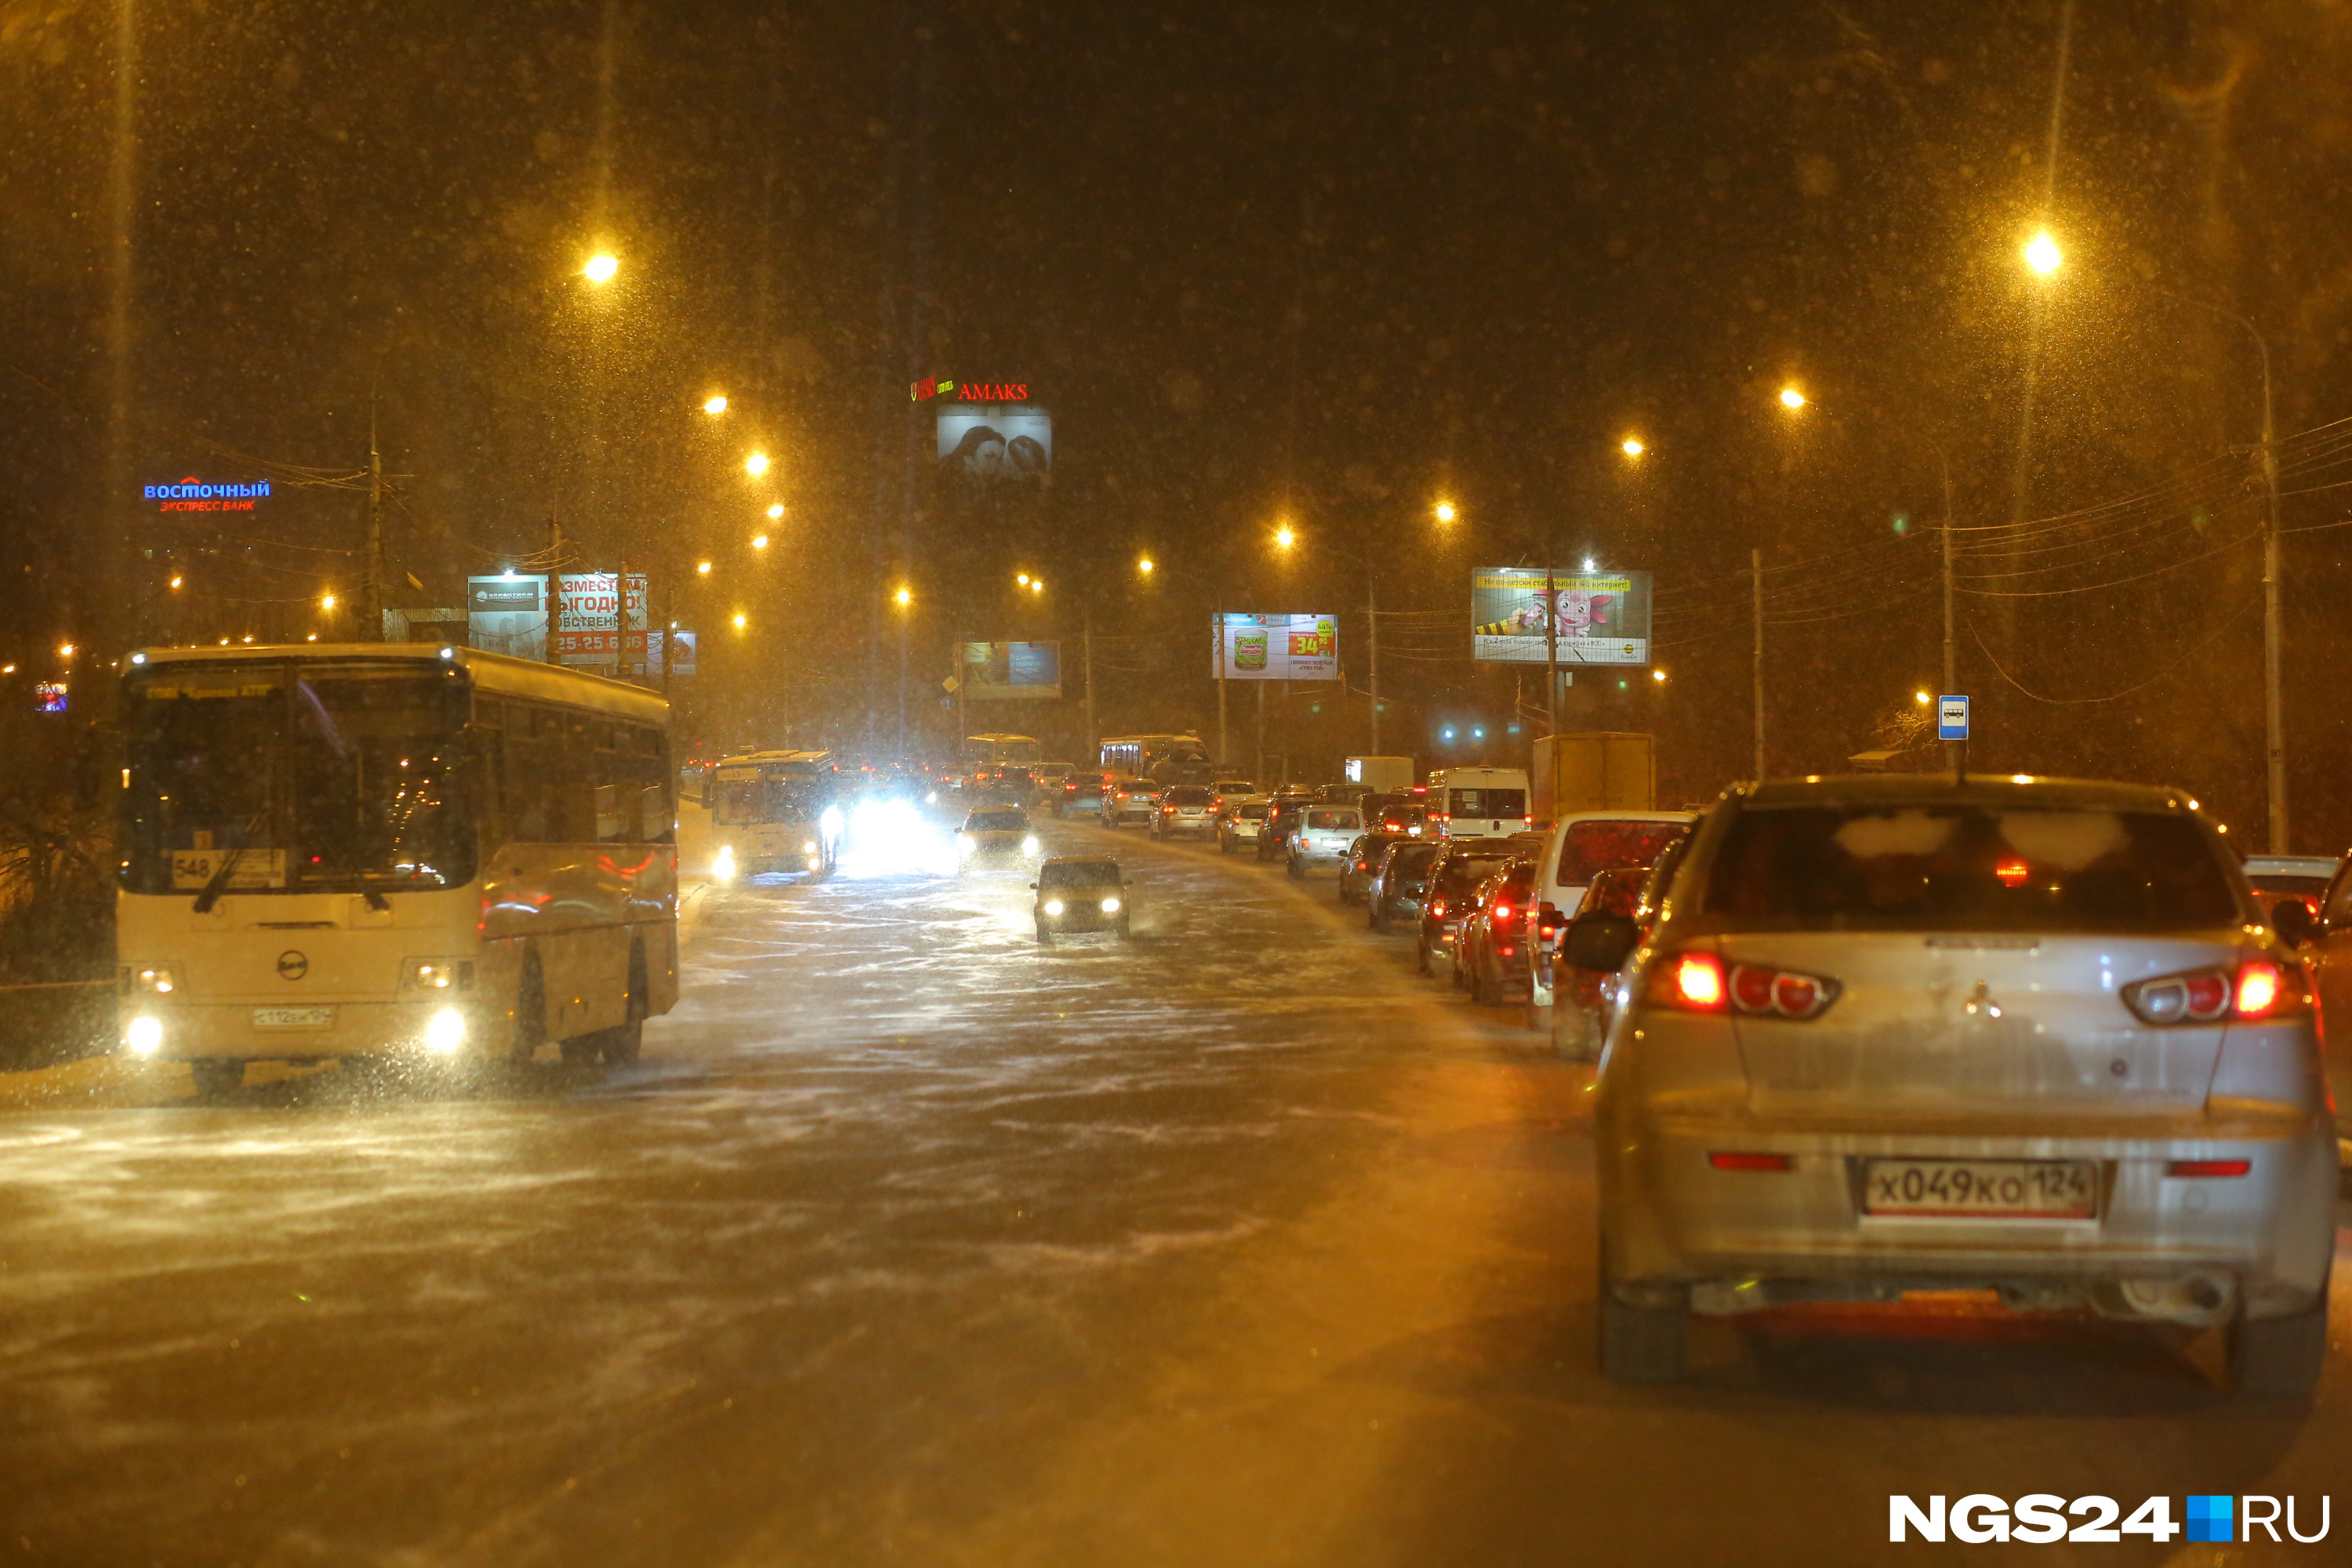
{"type": "Point", "coordinates": [1053, 907]}
{"type": "Point", "coordinates": [445, 1031]}
{"type": "Point", "coordinates": [436, 975]}
{"type": "Point", "coordinates": [144, 1036]}
{"type": "Point", "coordinates": [1029, 846]}
{"type": "Point", "coordinates": [809, 847]}
{"type": "Point", "coordinates": [1110, 906]}
{"type": "Point", "coordinates": [722, 868]}
{"type": "Point", "coordinates": [816, 864]}
{"type": "Point", "coordinates": [151, 979]}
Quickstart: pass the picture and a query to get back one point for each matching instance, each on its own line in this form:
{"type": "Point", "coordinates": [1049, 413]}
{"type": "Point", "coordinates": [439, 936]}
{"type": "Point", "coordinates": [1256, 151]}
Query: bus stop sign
{"type": "Point", "coordinates": [1951, 718]}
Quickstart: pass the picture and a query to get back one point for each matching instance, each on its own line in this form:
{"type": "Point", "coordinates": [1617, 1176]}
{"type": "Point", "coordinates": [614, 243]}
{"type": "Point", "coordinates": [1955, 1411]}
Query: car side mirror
{"type": "Point", "coordinates": [2291, 918]}
{"type": "Point", "coordinates": [1601, 942]}
{"type": "Point", "coordinates": [1032, 887]}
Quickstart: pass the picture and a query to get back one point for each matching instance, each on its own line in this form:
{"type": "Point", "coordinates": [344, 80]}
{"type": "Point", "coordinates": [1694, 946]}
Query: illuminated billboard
{"type": "Point", "coordinates": [985, 445]}
{"type": "Point", "coordinates": [1276, 648]}
{"type": "Point", "coordinates": [508, 613]}
{"type": "Point", "coordinates": [1011, 671]}
{"type": "Point", "coordinates": [1595, 617]}
{"type": "Point", "coordinates": [588, 630]}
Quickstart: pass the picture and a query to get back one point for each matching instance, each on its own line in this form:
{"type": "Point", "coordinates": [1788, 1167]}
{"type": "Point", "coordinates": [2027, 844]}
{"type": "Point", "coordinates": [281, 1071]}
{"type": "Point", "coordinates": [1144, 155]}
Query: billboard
{"type": "Point", "coordinates": [1276, 648]}
{"type": "Point", "coordinates": [1597, 617]}
{"type": "Point", "coordinates": [659, 646]}
{"type": "Point", "coordinates": [508, 613]}
{"type": "Point", "coordinates": [588, 630]}
{"type": "Point", "coordinates": [985, 445]}
{"type": "Point", "coordinates": [1003, 671]}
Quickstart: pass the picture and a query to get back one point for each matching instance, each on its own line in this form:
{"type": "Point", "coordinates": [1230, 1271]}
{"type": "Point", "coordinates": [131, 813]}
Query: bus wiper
{"type": "Point", "coordinates": [219, 878]}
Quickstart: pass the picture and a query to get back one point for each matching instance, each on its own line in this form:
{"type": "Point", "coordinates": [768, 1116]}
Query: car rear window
{"type": "Point", "coordinates": [1411, 860]}
{"type": "Point", "coordinates": [1331, 817]}
{"type": "Point", "coordinates": [1187, 795]}
{"type": "Point", "coordinates": [1252, 813]}
{"type": "Point", "coordinates": [1967, 868]}
{"type": "Point", "coordinates": [1592, 847]}
{"type": "Point", "coordinates": [1462, 872]}
{"type": "Point", "coordinates": [1489, 803]}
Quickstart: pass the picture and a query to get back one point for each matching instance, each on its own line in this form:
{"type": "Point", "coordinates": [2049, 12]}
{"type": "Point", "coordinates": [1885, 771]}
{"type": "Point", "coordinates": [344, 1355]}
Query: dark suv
{"type": "Point", "coordinates": [1453, 877]}
{"type": "Point", "coordinates": [1399, 880]}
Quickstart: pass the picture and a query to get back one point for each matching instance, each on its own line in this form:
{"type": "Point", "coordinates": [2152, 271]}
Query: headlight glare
{"type": "Point", "coordinates": [1029, 846]}
{"type": "Point", "coordinates": [151, 979]}
{"type": "Point", "coordinates": [445, 1031]}
{"type": "Point", "coordinates": [145, 1037]}
{"type": "Point", "coordinates": [1110, 906]}
{"type": "Point", "coordinates": [436, 975]}
{"type": "Point", "coordinates": [1053, 906]}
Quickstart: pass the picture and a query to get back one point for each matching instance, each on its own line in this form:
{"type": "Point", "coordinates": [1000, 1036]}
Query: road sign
{"type": "Point", "coordinates": [1951, 718]}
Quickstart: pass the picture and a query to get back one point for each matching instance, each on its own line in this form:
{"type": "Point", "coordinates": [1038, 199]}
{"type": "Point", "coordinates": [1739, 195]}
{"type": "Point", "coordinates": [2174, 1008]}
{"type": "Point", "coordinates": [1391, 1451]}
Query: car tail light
{"type": "Point", "coordinates": [1763, 991]}
{"type": "Point", "coordinates": [1437, 910]}
{"type": "Point", "coordinates": [2260, 990]}
{"type": "Point", "coordinates": [1687, 983]}
{"type": "Point", "coordinates": [1549, 922]}
{"type": "Point", "coordinates": [2208, 1167]}
{"type": "Point", "coordinates": [1740, 1159]}
{"type": "Point", "coordinates": [1504, 914]}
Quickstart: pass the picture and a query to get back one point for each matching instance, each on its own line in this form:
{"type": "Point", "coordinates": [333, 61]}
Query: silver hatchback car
{"type": "Point", "coordinates": [2024, 1036]}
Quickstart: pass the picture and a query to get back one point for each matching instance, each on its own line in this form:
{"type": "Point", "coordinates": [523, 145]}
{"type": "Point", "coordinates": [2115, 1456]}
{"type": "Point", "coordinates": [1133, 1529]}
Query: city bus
{"type": "Point", "coordinates": [998, 751]}
{"type": "Point", "coordinates": [1159, 758]}
{"type": "Point", "coordinates": [776, 811]}
{"type": "Point", "coordinates": [387, 854]}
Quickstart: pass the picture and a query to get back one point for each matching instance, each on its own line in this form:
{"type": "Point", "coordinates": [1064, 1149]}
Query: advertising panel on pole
{"type": "Point", "coordinates": [1003, 671]}
{"type": "Point", "coordinates": [588, 630]}
{"type": "Point", "coordinates": [982, 445]}
{"type": "Point", "coordinates": [1276, 648]}
{"type": "Point", "coordinates": [508, 613]}
{"type": "Point", "coordinates": [661, 647]}
{"type": "Point", "coordinates": [1595, 617]}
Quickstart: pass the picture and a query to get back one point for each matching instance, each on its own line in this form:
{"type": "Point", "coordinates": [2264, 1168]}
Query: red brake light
{"type": "Point", "coordinates": [1723, 1160]}
{"type": "Point", "coordinates": [2259, 991]}
{"type": "Point", "coordinates": [1692, 982]}
{"type": "Point", "coordinates": [2259, 986]}
{"type": "Point", "coordinates": [1759, 989]}
{"type": "Point", "coordinates": [1502, 913]}
{"type": "Point", "coordinates": [1438, 909]}
{"type": "Point", "coordinates": [2208, 1167]}
{"type": "Point", "coordinates": [2012, 872]}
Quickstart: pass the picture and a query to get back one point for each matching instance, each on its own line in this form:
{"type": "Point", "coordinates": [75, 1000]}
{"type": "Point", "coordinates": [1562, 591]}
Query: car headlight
{"type": "Point", "coordinates": [1053, 906]}
{"type": "Point", "coordinates": [932, 798]}
{"type": "Point", "coordinates": [1029, 846]}
{"type": "Point", "coordinates": [436, 975]}
{"type": "Point", "coordinates": [1110, 906]}
{"type": "Point", "coordinates": [445, 1031]}
{"type": "Point", "coordinates": [723, 868]}
{"type": "Point", "coordinates": [150, 979]}
{"type": "Point", "coordinates": [144, 1036]}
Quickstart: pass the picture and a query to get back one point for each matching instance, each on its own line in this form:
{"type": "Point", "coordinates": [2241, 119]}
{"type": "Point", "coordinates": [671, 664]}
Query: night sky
{"type": "Point", "coordinates": [1316, 264]}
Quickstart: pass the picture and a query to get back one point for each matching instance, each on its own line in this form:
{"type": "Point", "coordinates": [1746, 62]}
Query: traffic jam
{"type": "Point", "coordinates": [2044, 1044]}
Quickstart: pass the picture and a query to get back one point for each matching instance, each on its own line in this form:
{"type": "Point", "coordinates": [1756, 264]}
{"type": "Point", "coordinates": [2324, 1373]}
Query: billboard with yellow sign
{"type": "Point", "coordinates": [1276, 648]}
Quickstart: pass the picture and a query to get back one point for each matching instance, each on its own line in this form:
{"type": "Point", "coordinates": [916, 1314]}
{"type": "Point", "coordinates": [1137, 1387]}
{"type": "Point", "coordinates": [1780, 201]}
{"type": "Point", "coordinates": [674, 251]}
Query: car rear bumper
{"type": "Point", "coordinates": [1747, 1238]}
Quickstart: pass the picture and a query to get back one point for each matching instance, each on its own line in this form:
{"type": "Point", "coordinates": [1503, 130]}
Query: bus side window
{"type": "Point", "coordinates": [524, 803]}
{"type": "Point", "coordinates": [654, 820]}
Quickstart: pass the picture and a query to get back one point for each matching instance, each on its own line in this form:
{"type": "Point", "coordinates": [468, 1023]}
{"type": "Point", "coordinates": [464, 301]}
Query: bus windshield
{"type": "Point", "coordinates": [770, 799]}
{"type": "Point", "coordinates": [305, 779]}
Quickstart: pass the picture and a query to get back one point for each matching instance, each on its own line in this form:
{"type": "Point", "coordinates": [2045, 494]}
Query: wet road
{"type": "Point", "coordinates": [911, 1242]}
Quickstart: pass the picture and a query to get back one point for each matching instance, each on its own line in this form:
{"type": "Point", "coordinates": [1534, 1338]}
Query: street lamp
{"type": "Point", "coordinates": [1632, 447]}
{"type": "Point", "coordinates": [704, 568]}
{"type": "Point", "coordinates": [1921, 697]}
{"type": "Point", "coordinates": [738, 621]}
{"type": "Point", "coordinates": [717, 404]}
{"type": "Point", "coordinates": [326, 601]}
{"type": "Point", "coordinates": [1145, 566]}
{"type": "Point", "coordinates": [2042, 255]}
{"type": "Point", "coordinates": [1791, 398]}
{"type": "Point", "coordinates": [775, 511]}
{"type": "Point", "coordinates": [601, 267]}
{"type": "Point", "coordinates": [1657, 675]}
{"type": "Point", "coordinates": [904, 597]}
{"type": "Point", "coordinates": [759, 542]}
{"type": "Point", "coordinates": [1444, 511]}
{"type": "Point", "coordinates": [756, 464]}
{"type": "Point", "coordinates": [1283, 538]}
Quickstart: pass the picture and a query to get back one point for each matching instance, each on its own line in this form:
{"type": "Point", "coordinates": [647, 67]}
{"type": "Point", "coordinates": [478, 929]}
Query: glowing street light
{"type": "Point", "coordinates": [1921, 697]}
{"type": "Point", "coordinates": [1023, 578]}
{"type": "Point", "coordinates": [601, 267]}
{"type": "Point", "coordinates": [1444, 511]}
{"type": "Point", "coordinates": [1037, 584]}
{"type": "Point", "coordinates": [2041, 254]}
{"type": "Point", "coordinates": [66, 650]}
{"type": "Point", "coordinates": [904, 596]}
{"type": "Point", "coordinates": [1657, 675]}
{"type": "Point", "coordinates": [175, 579]}
{"type": "Point", "coordinates": [715, 404]}
{"type": "Point", "coordinates": [759, 542]}
{"type": "Point", "coordinates": [739, 621]}
{"type": "Point", "coordinates": [704, 568]}
{"type": "Point", "coordinates": [326, 601]}
{"type": "Point", "coordinates": [756, 464]}
{"type": "Point", "coordinates": [1146, 566]}
{"type": "Point", "coordinates": [1632, 447]}
{"type": "Point", "coordinates": [1283, 538]}
{"type": "Point", "coordinates": [1791, 398]}
{"type": "Point", "coordinates": [775, 511]}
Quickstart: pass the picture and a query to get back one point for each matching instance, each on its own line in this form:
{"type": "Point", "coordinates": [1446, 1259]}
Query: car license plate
{"type": "Point", "coordinates": [1980, 1189]}
{"type": "Point", "coordinates": [293, 1017]}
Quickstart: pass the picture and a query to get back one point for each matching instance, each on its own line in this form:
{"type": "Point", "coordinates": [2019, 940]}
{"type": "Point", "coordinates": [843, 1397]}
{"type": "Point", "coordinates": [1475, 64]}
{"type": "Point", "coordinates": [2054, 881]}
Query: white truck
{"type": "Point", "coordinates": [1381, 775]}
{"type": "Point", "coordinates": [1479, 802]}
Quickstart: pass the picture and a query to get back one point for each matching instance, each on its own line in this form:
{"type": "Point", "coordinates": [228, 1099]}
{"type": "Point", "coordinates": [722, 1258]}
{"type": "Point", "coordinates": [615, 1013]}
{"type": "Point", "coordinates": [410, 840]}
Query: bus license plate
{"type": "Point", "coordinates": [1987, 1189]}
{"type": "Point", "coordinates": [293, 1017]}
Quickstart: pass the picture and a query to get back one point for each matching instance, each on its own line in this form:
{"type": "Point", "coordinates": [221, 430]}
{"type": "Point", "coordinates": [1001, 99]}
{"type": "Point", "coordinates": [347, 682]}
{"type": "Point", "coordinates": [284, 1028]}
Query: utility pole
{"type": "Point", "coordinates": [1755, 568]}
{"type": "Point", "coordinates": [1372, 638]}
{"type": "Point", "coordinates": [554, 585]}
{"type": "Point", "coordinates": [1224, 739]}
{"type": "Point", "coordinates": [372, 601]}
{"type": "Point", "coordinates": [1551, 651]}
{"type": "Point", "coordinates": [2274, 704]}
{"type": "Point", "coordinates": [1259, 770]}
{"type": "Point", "coordinates": [1951, 661]}
{"type": "Point", "coordinates": [1086, 646]}
{"type": "Point", "coordinates": [621, 606]}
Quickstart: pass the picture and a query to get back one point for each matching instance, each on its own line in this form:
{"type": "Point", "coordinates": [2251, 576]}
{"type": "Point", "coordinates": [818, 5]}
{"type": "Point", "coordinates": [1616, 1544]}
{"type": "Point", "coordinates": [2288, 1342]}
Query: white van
{"type": "Point", "coordinates": [1480, 803]}
{"type": "Point", "coordinates": [1580, 846]}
